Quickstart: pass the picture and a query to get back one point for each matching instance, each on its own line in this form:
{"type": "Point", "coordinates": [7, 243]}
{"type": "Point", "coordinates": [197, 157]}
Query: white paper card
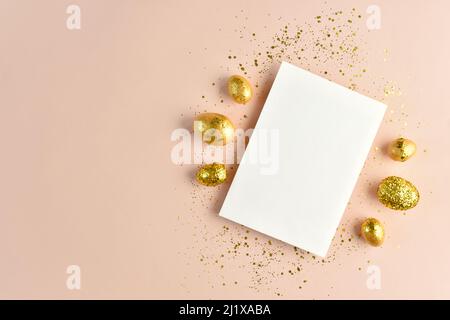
{"type": "Point", "coordinates": [297, 189]}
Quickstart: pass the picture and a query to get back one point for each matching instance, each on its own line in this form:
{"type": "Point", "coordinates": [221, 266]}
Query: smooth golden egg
{"type": "Point", "coordinates": [373, 231]}
{"type": "Point", "coordinates": [212, 174]}
{"type": "Point", "coordinates": [402, 149]}
{"type": "Point", "coordinates": [215, 128]}
{"type": "Point", "coordinates": [397, 193]}
{"type": "Point", "coordinates": [240, 89]}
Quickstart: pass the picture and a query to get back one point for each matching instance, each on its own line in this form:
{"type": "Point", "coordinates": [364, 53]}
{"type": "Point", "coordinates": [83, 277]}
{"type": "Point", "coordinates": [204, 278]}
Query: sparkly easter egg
{"type": "Point", "coordinates": [373, 232]}
{"type": "Point", "coordinates": [402, 149]}
{"type": "Point", "coordinates": [212, 174]}
{"type": "Point", "coordinates": [397, 193]}
{"type": "Point", "coordinates": [215, 128]}
{"type": "Point", "coordinates": [240, 89]}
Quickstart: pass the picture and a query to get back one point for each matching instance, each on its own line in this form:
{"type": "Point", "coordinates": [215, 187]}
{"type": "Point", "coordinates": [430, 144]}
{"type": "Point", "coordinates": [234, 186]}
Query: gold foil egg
{"type": "Point", "coordinates": [240, 89]}
{"type": "Point", "coordinates": [212, 174]}
{"type": "Point", "coordinates": [397, 193]}
{"type": "Point", "coordinates": [215, 128]}
{"type": "Point", "coordinates": [402, 149]}
{"type": "Point", "coordinates": [373, 231]}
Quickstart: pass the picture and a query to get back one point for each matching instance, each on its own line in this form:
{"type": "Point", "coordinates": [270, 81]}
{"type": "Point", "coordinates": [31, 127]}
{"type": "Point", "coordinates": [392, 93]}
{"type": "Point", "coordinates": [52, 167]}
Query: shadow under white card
{"type": "Point", "coordinates": [324, 133]}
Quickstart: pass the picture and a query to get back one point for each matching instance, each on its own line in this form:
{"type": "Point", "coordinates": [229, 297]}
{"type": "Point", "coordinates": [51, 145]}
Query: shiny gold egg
{"type": "Point", "coordinates": [215, 128]}
{"type": "Point", "coordinates": [212, 174]}
{"type": "Point", "coordinates": [402, 149]}
{"type": "Point", "coordinates": [373, 232]}
{"type": "Point", "coordinates": [240, 89]}
{"type": "Point", "coordinates": [397, 193]}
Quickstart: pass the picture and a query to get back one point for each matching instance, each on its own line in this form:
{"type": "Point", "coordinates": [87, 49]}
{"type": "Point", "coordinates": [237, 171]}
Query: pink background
{"type": "Point", "coordinates": [86, 176]}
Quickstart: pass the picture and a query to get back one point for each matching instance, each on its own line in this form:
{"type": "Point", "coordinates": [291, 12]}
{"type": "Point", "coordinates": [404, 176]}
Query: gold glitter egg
{"type": "Point", "coordinates": [373, 232]}
{"type": "Point", "coordinates": [240, 89]}
{"type": "Point", "coordinates": [402, 149]}
{"type": "Point", "coordinates": [397, 193]}
{"type": "Point", "coordinates": [215, 128]}
{"type": "Point", "coordinates": [212, 174]}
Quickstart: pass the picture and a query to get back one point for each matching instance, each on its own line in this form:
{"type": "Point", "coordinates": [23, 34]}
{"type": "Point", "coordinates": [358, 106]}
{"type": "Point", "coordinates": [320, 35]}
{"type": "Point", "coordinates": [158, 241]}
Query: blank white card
{"type": "Point", "coordinates": [317, 135]}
